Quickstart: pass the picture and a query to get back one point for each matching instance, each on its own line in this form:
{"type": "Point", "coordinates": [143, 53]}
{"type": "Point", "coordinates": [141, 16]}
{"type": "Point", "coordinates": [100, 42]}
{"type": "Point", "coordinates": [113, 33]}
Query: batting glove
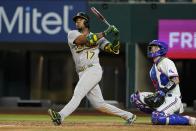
{"type": "Point", "coordinates": [115, 30]}
{"type": "Point", "coordinates": [116, 47]}
{"type": "Point", "coordinates": [109, 30]}
{"type": "Point", "coordinates": [92, 39]}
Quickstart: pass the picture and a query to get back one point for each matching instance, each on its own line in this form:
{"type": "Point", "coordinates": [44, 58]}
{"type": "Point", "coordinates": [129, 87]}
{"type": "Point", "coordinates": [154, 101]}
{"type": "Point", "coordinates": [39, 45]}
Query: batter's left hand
{"type": "Point", "coordinates": [92, 39]}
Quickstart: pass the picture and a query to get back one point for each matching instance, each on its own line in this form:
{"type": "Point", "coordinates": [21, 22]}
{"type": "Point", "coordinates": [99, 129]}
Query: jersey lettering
{"type": "Point", "coordinates": [90, 54]}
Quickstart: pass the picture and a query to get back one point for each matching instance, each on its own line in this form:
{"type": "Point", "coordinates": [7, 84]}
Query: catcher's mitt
{"type": "Point", "coordinates": [155, 100]}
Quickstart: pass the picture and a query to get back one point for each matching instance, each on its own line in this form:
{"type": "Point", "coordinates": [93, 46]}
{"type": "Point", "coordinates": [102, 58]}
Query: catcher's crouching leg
{"type": "Point", "coordinates": [138, 100]}
{"type": "Point", "coordinates": [160, 118]}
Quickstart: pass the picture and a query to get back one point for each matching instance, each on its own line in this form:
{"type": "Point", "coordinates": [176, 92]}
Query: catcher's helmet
{"type": "Point", "coordinates": [163, 49]}
{"type": "Point", "coordinates": [84, 16]}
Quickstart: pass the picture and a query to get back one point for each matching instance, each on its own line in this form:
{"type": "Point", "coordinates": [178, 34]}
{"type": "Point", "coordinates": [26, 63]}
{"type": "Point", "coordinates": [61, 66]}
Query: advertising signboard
{"type": "Point", "coordinates": [37, 20]}
{"type": "Point", "coordinates": [180, 36]}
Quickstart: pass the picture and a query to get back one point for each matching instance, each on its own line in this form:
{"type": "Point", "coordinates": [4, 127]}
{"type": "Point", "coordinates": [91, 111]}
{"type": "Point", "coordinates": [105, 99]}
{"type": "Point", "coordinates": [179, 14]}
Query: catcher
{"type": "Point", "coordinates": [165, 104]}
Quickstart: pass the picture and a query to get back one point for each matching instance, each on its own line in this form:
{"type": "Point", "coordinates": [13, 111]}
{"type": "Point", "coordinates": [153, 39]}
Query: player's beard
{"type": "Point", "coordinates": [79, 29]}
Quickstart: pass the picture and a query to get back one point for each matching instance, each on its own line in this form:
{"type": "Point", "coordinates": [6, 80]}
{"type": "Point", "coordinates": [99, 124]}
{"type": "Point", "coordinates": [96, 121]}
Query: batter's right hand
{"type": "Point", "coordinates": [115, 30]}
{"type": "Point", "coordinates": [110, 29]}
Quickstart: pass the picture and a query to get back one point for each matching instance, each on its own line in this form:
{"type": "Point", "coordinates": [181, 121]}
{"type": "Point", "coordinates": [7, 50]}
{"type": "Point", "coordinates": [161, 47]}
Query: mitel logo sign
{"type": "Point", "coordinates": [26, 20]}
{"type": "Point", "coordinates": [38, 21]}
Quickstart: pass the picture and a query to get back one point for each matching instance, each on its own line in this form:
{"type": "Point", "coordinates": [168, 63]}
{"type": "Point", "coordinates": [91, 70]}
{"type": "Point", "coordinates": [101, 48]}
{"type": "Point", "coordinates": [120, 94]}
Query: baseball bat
{"type": "Point", "coordinates": [99, 15]}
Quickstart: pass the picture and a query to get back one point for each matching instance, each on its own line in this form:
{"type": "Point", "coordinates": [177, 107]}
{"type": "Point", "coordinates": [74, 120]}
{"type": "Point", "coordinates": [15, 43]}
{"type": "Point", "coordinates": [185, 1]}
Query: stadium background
{"type": "Point", "coordinates": [36, 69]}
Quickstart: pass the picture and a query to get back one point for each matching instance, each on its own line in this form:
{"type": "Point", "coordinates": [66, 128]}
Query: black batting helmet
{"type": "Point", "coordinates": [84, 16]}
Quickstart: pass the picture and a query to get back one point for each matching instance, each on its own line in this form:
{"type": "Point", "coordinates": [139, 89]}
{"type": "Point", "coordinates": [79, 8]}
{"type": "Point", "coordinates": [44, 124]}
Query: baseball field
{"type": "Point", "coordinates": [37, 122]}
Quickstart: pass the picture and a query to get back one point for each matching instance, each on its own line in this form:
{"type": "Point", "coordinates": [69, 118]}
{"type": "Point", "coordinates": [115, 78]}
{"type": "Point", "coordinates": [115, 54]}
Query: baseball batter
{"type": "Point", "coordinates": [85, 47]}
{"type": "Point", "coordinates": [165, 104]}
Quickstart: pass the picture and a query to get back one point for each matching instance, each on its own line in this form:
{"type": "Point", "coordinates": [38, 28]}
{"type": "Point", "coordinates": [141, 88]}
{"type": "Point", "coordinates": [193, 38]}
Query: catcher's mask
{"type": "Point", "coordinates": [84, 16]}
{"type": "Point", "coordinates": [163, 49]}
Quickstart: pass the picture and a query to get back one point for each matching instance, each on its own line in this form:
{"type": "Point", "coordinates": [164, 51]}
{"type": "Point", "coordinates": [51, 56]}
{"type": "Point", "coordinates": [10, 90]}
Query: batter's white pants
{"type": "Point", "coordinates": [88, 86]}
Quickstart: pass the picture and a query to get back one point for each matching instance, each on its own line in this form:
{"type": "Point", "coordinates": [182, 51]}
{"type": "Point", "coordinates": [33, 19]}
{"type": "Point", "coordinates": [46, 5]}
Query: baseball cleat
{"type": "Point", "coordinates": [131, 120]}
{"type": "Point", "coordinates": [55, 117]}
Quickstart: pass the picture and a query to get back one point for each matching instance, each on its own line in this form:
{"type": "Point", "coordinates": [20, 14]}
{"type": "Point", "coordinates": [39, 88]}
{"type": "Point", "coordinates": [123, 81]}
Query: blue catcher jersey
{"type": "Point", "coordinates": [160, 74]}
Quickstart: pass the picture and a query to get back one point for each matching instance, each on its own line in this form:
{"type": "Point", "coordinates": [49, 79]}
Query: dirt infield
{"type": "Point", "coordinates": [83, 126]}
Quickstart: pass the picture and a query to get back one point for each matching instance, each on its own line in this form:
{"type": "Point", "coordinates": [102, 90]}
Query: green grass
{"type": "Point", "coordinates": [19, 117]}
{"type": "Point", "coordinates": [71, 118]}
